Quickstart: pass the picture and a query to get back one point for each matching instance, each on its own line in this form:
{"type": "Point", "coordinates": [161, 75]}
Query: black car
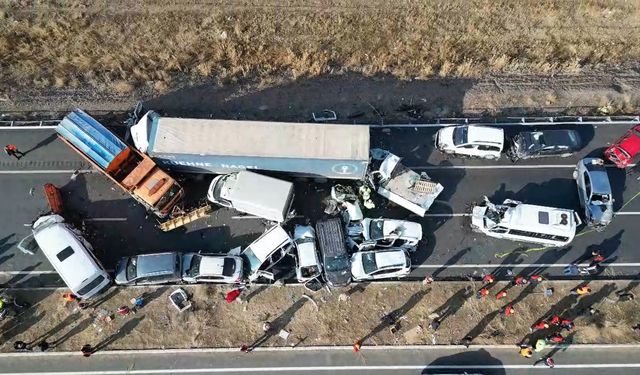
{"type": "Point", "coordinates": [538, 144]}
{"type": "Point", "coordinates": [333, 249]}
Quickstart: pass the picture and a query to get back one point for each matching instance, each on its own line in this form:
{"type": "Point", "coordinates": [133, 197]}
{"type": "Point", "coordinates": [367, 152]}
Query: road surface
{"type": "Point", "coordinates": [311, 361]}
{"type": "Point", "coordinates": [118, 226]}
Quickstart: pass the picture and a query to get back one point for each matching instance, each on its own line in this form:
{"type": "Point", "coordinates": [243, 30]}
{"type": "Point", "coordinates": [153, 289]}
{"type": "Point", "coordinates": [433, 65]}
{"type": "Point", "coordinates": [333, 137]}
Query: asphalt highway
{"type": "Point", "coordinates": [336, 360]}
{"type": "Point", "coordinates": [117, 226]}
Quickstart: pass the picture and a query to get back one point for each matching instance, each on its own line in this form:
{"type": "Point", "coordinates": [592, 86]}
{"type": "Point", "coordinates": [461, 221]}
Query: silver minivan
{"type": "Point", "coordinates": [149, 269]}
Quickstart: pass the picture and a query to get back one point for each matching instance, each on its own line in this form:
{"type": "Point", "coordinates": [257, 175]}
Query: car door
{"type": "Point", "coordinates": [468, 149]}
{"type": "Point", "coordinates": [586, 193]}
{"type": "Point", "coordinates": [386, 273]}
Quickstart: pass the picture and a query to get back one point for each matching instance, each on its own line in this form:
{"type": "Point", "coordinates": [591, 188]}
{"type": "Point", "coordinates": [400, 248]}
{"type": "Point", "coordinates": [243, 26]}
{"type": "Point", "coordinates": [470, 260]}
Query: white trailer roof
{"type": "Point", "coordinates": [261, 138]}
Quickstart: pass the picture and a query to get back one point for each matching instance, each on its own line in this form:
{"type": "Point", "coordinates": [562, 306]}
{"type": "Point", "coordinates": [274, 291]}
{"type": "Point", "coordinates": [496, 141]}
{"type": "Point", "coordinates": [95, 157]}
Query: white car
{"type": "Point", "coordinates": [471, 140]}
{"type": "Point", "coordinates": [211, 268]}
{"type": "Point", "coordinates": [380, 264]}
{"type": "Point", "coordinates": [308, 263]}
{"type": "Point", "coordinates": [390, 233]}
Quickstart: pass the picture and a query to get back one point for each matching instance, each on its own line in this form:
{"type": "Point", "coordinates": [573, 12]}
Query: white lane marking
{"type": "Point", "coordinates": [33, 272]}
{"type": "Point", "coordinates": [623, 213]}
{"type": "Point", "coordinates": [106, 219]}
{"type": "Point", "coordinates": [45, 171]}
{"type": "Point", "coordinates": [245, 217]}
{"type": "Point", "coordinates": [521, 265]}
{"type": "Point", "coordinates": [505, 166]}
{"type": "Point", "coordinates": [330, 368]}
{"type": "Point", "coordinates": [17, 127]}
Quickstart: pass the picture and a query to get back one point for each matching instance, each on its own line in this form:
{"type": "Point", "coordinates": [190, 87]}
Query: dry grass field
{"type": "Point", "coordinates": [337, 318]}
{"type": "Point", "coordinates": [119, 45]}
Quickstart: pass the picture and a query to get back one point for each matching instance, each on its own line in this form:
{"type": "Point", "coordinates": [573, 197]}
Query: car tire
{"type": "Point", "coordinates": [489, 157]}
{"type": "Point", "coordinates": [575, 174]}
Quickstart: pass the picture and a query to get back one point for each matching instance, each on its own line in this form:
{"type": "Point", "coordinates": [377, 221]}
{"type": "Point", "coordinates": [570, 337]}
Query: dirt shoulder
{"type": "Point", "coordinates": [323, 318]}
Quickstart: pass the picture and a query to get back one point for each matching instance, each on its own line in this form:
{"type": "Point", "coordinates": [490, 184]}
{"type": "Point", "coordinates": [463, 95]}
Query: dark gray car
{"type": "Point", "coordinates": [333, 249]}
{"type": "Point", "coordinates": [539, 144]}
{"type": "Point", "coordinates": [147, 269]}
{"type": "Point", "coordinates": [594, 191]}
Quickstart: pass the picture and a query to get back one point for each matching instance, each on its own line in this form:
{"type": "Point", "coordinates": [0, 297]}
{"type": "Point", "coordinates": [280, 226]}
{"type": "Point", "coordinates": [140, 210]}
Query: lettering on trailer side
{"type": "Point", "coordinates": [238, 166]}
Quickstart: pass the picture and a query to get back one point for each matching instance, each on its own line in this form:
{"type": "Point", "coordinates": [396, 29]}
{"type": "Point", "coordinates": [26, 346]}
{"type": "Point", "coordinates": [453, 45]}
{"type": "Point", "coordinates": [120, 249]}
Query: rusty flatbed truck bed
{"type": "Point", "coordinates": [133, 171]}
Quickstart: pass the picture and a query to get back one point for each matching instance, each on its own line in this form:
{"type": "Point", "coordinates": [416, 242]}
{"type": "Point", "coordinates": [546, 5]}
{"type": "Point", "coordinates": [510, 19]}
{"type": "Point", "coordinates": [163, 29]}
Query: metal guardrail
{"type": "Point", "coordinates": [440, 122]}
{"type": "Point", "coordinates": [27, 124]}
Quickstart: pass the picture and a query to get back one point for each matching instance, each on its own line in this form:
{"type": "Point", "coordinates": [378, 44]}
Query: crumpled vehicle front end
{"type": "Point", "coordinates": [600, 215]}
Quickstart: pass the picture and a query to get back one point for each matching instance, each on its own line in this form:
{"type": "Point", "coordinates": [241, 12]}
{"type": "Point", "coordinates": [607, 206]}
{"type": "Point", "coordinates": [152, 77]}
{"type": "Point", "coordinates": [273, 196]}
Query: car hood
{"type": "Point", "coordinates": [121, 271]}
{"type": "Point", "coordinates": [338, 278]}
{"type": "Point", "coordinates": [445, 137]}
{"type": "Point", "coordinates": [601, 214]}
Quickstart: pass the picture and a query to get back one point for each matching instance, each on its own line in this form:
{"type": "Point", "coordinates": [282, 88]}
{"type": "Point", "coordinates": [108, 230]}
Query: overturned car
{"type": "Point", "coordinates": [394, 181]}
{"type": "Point", "coordinates": [516, 221]}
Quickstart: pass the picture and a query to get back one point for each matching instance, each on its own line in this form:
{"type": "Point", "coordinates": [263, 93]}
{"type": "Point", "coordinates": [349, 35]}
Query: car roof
{"type": "Point", "coordinates": [485, 134]}
{"type": "Point", "coordinates": [528, 216]}
{"type": "Point", "coordinates": [212, 265]}
{"type": "Point", "coordinates": [599, 177]}
{"type": "Point", "coordinates": [557, 137]}
{"type": "Point", "coordinates": [404, 227]}
{"type": "Point", "coordinates": [268, 242]}
{"type": "Point", "coordinates": [390, 258]}
{"type": "Point", "coordinates": [156, 263]}
{"type": "Point", "coordinates": [57, 237]}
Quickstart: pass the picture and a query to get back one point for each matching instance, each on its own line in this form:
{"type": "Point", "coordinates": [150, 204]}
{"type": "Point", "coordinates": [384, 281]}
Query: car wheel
{"type": "Point", "coordinates": [489, 157]}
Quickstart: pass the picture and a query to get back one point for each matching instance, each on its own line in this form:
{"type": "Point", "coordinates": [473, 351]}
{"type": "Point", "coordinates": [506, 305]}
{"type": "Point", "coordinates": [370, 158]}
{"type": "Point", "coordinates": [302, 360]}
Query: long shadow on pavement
{"type": "Point", "coordinates": [455, 364]}
{"type": "Point", "coordinates": [279, 323]}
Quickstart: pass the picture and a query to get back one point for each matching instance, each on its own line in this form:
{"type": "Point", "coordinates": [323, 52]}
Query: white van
{"type": "Point", "coordinates": [516, 221]}
{"type": "Point", "coordinates": [71, 256]}
{"type": "Point", "coordinates": [253, 193]}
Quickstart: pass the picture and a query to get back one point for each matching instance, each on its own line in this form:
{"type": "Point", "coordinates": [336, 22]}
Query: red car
{"type": "Point", "coordinates": [625, 149]}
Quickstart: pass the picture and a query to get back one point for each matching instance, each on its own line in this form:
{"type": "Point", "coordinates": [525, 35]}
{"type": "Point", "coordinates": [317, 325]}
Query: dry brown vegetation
{"type": "Point", "coordinates": [119, 45]}
{"type": "Point", "coordinates": [336, 320]}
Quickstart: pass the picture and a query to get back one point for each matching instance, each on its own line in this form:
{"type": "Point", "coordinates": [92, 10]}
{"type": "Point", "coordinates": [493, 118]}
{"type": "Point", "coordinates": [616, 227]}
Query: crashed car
{"type": "Point", "coordinates": [471, 140]}
{"type": "Point", "coordinates": [386, 233]}
{"type": "Point", "coordinates": [399, 184]}
{"type": "Point", "coordinates": [594, 192]}
{"type": "Point", "coordinates": [308, 264]}
{"type": "Point", "coordinates": [516, 221]}
{"type": "Point", "coordinates": [263, 254]}
{"type": "Point", "coordinates": [625, 149]}
{"type": "Point", "coordinates": [211, 268]}
{"type": "Point", "coordinates": [380, 264]}
{"type": "Point", "coordinates": [538, 144]}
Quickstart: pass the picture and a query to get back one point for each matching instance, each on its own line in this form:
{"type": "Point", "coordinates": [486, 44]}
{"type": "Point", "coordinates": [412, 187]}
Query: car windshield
{"type": "Point", "coordinates": [302, 240]}
{"type": "Point", "coordinates": [229, 267]}
{"type": "Point", "coordinates": [369, 263]}
{"type": "Point", "coordinates": [375, 230]}
{"type": "Point", "coordinates": [194, 267]}
{"type": "Point", "coordinates": [337, 264]}
{"type": "Point", "coordinates": [460, 135]}
{"type": "Point", "coordinates": [132, 268]}
{"type": "Point", "coordinates": [91, 286]}
{"type": "Point", "coordinates": [254, 262]}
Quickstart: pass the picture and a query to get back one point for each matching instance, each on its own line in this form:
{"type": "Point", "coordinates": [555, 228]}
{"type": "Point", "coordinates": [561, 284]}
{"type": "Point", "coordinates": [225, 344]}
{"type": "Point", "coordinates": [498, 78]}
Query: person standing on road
{"type": "Point", "coordinates": [535, 279]}
{"type": "Point", "coordinates": [526, 351]}
{"type": "Point", "coordinates": [86, 350]}
{"type": "Point", "coordinates": [548, 361]}
{"type": "Point", "coordinates": [12, 150]}
{"type": "Point", "coordinates": [566, 324]}
{"type": "Point", "coordinates": [520, 281]}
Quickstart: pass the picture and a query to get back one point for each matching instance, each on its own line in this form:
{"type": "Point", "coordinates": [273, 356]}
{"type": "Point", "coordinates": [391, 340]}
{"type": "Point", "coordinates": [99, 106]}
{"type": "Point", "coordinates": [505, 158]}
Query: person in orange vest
{"type": "Point", "coordinates": [501, 294]}
{"type": "Point", "coordinates": [69, 297]}
{"type": "Point", "coordinates": [12, 150]}
{"type": "Point", "coordinates": [482, 293]}
{"type": "Point", "coordinates": [580, 291]}
{"type": "Point", "coordinates": [507, 311]}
